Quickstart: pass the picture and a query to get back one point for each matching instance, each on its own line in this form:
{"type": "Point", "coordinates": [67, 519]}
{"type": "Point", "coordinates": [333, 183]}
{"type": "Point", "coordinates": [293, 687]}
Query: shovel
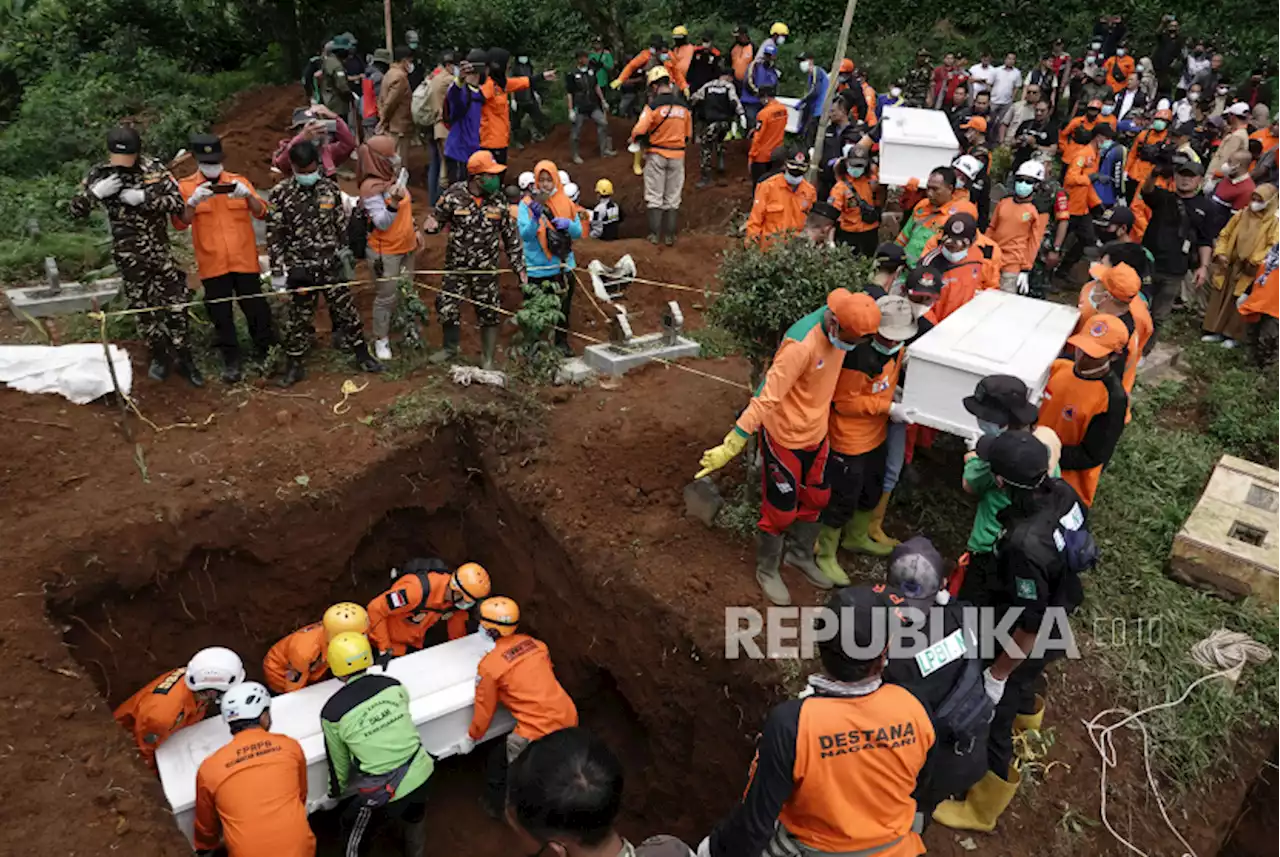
{"type": "Point", "coordinates": [702, 500]}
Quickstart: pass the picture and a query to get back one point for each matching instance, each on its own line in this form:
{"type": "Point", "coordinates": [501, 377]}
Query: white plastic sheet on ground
{"type": "Point", "coordinates": [76, 372]}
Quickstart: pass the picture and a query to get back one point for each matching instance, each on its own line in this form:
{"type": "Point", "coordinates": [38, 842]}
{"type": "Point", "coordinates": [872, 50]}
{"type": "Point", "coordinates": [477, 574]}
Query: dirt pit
{"type": "Point", "coordinates": [616, 649]}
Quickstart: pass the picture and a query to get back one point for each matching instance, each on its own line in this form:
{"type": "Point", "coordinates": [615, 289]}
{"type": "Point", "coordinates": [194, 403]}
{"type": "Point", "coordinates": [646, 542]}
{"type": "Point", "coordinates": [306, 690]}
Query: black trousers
{"type": "Point", "coordinates": [455, 171]}
{"type": "Point", "coordinates": [359, 823]}
{"type": "Point", "coordinates": [856, 482]}
{"type": "Point", "coordinates": [248, 289]}
{"type": "Point", "coordinates": [1019, 696]}
{"type": "Point", "coordinates": [863, 243]}
{"type": "Point", "coordinates": [759, 171]}
{"type": "Point", "coordinates": [1081, 226]}
{"type": "Point", "coordinates": [979, 579]}
{"type": "Point", "coordinates": [499, 155]}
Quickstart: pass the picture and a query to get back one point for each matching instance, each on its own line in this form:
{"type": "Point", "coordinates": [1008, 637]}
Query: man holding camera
{"type": "Point", "coordinates": [321, 126]}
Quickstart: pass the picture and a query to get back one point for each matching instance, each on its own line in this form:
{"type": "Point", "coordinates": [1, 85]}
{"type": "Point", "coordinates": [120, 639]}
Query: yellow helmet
{"type": "Point", "coordinates": [680, 32]}
{"type": "Point", "coordinates": [604, 187]}
{"type": "Point", "coordinates": [345, 616]}
{"type": "Point", "coordinates": [779, 29]}
{"type": "Point", "coordinates": [349, 653]}
{"type": "Point", "coordinates": [471, 582]}
{"type": "Point", "coordinates": [501, 614]}
{"type": "Point", "coordinates": [658, 73]}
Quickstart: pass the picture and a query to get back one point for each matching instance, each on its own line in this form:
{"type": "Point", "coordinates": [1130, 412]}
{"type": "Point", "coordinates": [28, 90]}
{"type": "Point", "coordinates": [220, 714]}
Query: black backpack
{"type": "Point", "coordinates": [358, 229]}
{"type": "Point", "coordinates": [559, 244]}
{"type": "Point", "coordinates": [967, 710]}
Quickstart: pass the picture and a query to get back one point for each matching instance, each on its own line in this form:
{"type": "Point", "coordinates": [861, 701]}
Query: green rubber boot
{"type": "Point", "coordinates": [856, 537]}
{"type": "Point", "coordinates": [828, 543]}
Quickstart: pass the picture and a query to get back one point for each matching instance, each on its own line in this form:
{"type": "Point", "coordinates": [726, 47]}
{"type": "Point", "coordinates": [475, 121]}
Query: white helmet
{"type": "Point", "coordinates": [571, 191]}
{"type": "Point", "coordinates": [968, 166]}
{"type": "Point", "coordinates": [246, 701]}
{"type": "Point", "coordinates": [526, 180]}
{"type": "Point", "coordinates": [1033, 170]}
{"type": "Point", "coordinates": [564, 178]}
{"type": "Point", "coordinates": [214, 668]}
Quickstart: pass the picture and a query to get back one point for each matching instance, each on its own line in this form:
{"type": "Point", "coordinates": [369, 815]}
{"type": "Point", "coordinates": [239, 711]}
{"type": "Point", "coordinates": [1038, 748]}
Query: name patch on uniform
{"type": "Point", "coordinates": [950, 648]}
{"type": "Point", "coordinates": [880, 385]}
{"type": "Point", "coordinates": [397, 598]}
{"type": "Point", "coordinates": [843, 743]}
{"type": "Point", "coordinates": [1074, 519]}
{"type": "Point", "coordinates": [169, 681]}
{"type": "Point", "coordinates": [1026, 586]}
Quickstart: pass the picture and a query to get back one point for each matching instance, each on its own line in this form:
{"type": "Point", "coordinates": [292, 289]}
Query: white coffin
{"type": "Point", "coordinates": [441, 685]}
{"type": "Point", "coordinates": [996, 333]}
{"type": "Point", "coordinates": [793, 113]}
{"type": "Point", "coordinates": [914, 142]}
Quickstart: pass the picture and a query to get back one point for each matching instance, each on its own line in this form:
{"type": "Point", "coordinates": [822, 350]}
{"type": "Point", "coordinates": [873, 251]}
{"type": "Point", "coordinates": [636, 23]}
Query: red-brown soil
{"type": "Point", "coordinates": [576, 509]}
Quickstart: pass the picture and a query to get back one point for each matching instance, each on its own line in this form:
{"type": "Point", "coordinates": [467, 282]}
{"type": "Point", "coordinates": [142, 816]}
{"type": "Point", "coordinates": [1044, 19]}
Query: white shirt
{"type": "Point", "coordinates": [1182, 110]}
{"type": "Point", "coordinates": [1005, 82]}
{"type": "Point", "coordinates": [1127, 97]}
{"type": "Point", "coordinates": [981, 77]}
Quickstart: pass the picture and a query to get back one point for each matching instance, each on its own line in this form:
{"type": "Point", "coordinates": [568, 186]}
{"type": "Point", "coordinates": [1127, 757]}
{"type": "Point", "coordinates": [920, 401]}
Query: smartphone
{"type": "Point", "coordinates": [222, 187]}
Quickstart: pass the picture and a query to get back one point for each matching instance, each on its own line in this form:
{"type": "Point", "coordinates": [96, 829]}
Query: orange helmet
{"type": "Point", "coordinates": [470, 583]}
{"type": "Point", "coordinates": [846, 66]}
{"type": "Point", "coordinates": [500, 614]}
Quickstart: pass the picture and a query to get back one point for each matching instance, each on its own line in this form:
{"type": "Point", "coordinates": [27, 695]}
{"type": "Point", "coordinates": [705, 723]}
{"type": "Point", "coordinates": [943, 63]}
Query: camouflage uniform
{"type": "Point", "coordinates": [477, 231]}
{"type": "Point", "coordinates": [140, 247]}
{"type": "Point", "coordinates": [306, 229]}
{"type": "Point", "coordinates": [916, 84]}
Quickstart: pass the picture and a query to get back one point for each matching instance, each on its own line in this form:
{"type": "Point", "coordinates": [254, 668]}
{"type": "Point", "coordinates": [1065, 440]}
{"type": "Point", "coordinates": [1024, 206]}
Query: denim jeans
{"type": "Point", "coordinates": [896, 443]}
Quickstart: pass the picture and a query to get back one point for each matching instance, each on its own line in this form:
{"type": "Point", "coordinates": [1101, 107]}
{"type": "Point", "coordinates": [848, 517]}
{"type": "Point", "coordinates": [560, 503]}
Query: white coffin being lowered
{"type": "Point", "coordinates": [996, 333]}
{"type": "Point", "coordinates": [913, 142]}
{"type": "Point", "coordinates": [441, 685]}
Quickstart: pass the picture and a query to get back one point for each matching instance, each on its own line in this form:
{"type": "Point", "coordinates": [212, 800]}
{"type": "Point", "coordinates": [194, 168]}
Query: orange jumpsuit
{"type": "Point", "coordinates": [1017, 230]}
{"type": "Point", "coordinates": [158, 710]}
{"type": "Point", "coordinates": [254, 790]}
{"type": "Point", "coordinates": [992, 256]}
{"type": "Point", "coordinates": [519, 675]}
{"type": "Point", "coordinates": [400, 617]}
{"type": "Point", "coordinates": [846, 195]}
{"type": "Point", "coordinates": [1080, 193]}
{"type": "Point", "coordinates": [1087, 414]}
{"type": "Point", "coordinates": [778, 208]}
{"type": "Point", "coordinates": [222, 231]}
{"type": "Point", "coordinates": [1068, 146]}
{"type": "Point", "coordinates": [860, 408]}
{"type": "Point", "coordinates": [1138, 318]}
{"type": "Point", "coordinates": [495, 115]}
{"type": "Point", "coordinates": [1125, 67]}
{"type": "Point", "coordinates": [960, 280]}
{"type": "Point", "coordinates": [681, 57]}
{"type": "Point", "coordinates": [641, 59]}
{"type": "Point", "coordinates": [298, 660]}
{"type": "Point", "coordinates": [1135, 167]}
{"type": "Point", "coordinates": [1263, 299]}
{"type": "Point", "coordinates": [740, 57]}
{"type": "Point", "coordinates": [771, 127]}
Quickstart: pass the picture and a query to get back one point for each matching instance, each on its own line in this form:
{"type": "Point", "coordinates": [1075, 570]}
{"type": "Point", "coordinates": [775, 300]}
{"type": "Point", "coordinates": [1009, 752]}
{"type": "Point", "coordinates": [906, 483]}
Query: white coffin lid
{"type": "Point", "coordinates": [440, 681]}
{"type": "Point", "coordinates": [916, 127]}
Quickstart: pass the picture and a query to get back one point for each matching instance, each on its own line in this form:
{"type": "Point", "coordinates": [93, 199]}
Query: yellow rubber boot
{"type": "Point", "coordinates": [857, 539]}
{"type": "Point", "coordinates": [875, 529]}
{"type": "Point", "coordinates": [982, 806]}
{"type": "Point", "coordinates": [637, 164]}
{"type": "Point", "coordinates": [825, 556]}
{"type": "Point", "coordinates": [1024, 722]}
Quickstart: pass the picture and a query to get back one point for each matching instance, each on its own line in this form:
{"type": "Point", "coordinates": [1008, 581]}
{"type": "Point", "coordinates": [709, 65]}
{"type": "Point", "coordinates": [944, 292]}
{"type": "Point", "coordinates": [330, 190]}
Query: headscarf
{"type": "Point", "coordinates": [374, 172]}
{"type": "Point", "coordinates": [1256, 230]}
{"type": "Point", "coordinates": [556, 205]}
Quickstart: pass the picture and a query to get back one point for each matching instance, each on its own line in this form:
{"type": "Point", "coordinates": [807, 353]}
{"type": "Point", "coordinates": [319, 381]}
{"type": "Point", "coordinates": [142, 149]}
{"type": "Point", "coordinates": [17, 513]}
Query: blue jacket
{"type": "Point", "coordinates": [464, 106]}
{"type": "Point", "coordinates": [817, 94]}
{"type": "Point", "coordinates": [760, 75]}
{"type": "Point", "coordinates": [536, 259]}
{"type": "Point", "coordinates": [1111, 177]}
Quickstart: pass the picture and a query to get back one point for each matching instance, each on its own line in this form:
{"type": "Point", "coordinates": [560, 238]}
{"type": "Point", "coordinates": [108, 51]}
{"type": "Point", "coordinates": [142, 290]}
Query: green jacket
{"type": "Point", "coordinates": [368, 732]}
{"type": "Point", "coordinates": [605, 73]}
{"type": "Point", "coordinates": [992, 500]}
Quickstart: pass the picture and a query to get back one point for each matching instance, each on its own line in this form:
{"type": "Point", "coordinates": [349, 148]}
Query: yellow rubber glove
{"type": "Point", "coordinates": [718, 456]}
{"type": "Point", "coordinates": [685, 92]}
{"type": "Point", "coordinates": [615, 84]}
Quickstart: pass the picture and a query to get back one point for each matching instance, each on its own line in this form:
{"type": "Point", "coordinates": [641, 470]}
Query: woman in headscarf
{"type": "Point", "coordinates": [393, 240]}
{"type": "Point", "coordinates": [1149, 82]}
{"type": "Point", "coordinates": [548, 225]}
{"type": "Point", "coordinates": [1242, 246]}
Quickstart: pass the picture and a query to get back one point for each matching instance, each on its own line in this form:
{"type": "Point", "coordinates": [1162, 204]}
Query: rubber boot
{"type": "Point", "coordinates": [1030, 722]}
{"type": "Point", "coordinates": [655, 224]}
{"type": "Point", "coordinates": [187, 368]}
{"type": "Point", "coordinates": [488, 345]}
{"type": "Point", "coordinates": [232, 371]}
{"type": "Point", "coordinates": [768, 559]}
{"type": "Point", "coordinates": [159, 368]}
{"type": "Point", "coordinates": [449, 350]}
{"type": "Point", "coordinates": [828, 543]}
{"type": "Point", "coordinates": [800, 540]}
{"type": "Point", "coordinates": [720, 161]}
{"type": "Point", "coordinates": [856, 538]}
{"type": "Point", "coordinates": [606, 146]}
{"type": "Point", "coordinates": [875, 529]}
{"type": "Point", "coordinates": [365, 360]}
{"type": "Point", "coordinates": [637, 164]}
{"type": "Point", "coordinates": [415, 838]}
{"type": "Point", "coordinates": [573, 152]}
{"type": "Point", "coordinates": [704, 178]}
{"type": "Point", "coordinates": [293, 371]}
{"type": "Point", "coordinates": [982, 806]}
{"type": "Point", "coordinates": [671, 224]}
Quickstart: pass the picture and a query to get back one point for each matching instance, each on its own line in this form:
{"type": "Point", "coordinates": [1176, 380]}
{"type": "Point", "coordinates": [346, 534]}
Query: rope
{"type": "Point", "coordinates": [702, 291]}
{"type": "Point", "coordinates": [102, 333]}
{"type": "Point", "coordinates": [349, 389]}
{"type": "Point", "coordinates": [1229, 650]}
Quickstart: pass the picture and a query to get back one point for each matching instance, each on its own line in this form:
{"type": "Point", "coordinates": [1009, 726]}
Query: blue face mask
{"type": "Point", "coordinates": [857, 172]}
{"type": "Point", "coordinates": [886, 350]}
{"type": "Point", "coordinates": [1023, 188]}
{"type": "Point", "coordinates": [840, 343]}
{"type": "Point", "coordinates": [990, 428]}
{"type": "Point", "coordinates": [307, 179]}
{"type": "Point", "coordinates": [955, 255]}
{"type": "Point", "coordinates": [1105, 144]}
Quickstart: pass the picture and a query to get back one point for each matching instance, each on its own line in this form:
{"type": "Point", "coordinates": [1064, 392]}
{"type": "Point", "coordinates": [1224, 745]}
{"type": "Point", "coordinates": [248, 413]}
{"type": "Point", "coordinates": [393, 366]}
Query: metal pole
{"type": "Point", "coordinates": [386, 20]}
{"type": "Point", "coordinates": [831, 87]}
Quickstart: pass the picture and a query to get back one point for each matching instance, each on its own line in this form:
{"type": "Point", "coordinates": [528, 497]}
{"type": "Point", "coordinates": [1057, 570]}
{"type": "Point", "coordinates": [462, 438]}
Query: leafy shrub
{"type": "Point", "coordinates": [535, 355]}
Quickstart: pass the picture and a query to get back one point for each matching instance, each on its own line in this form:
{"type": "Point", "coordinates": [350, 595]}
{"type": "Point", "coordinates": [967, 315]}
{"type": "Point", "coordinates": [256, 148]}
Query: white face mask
{"type": "Point", "coordinates": [955, 255]}
{"type": "Point", "coordinates": [1120, 52]}
{"type": "Point", "coordinates": [210, 171]}
{"type": "Point", "coordinates": [1258, 205]}
{"type": "Point", "coordinates": [895, 91]}
{"type": "Point", "coordinates": [805, 65]}
{"type": "Point", "coordinates": [522, 59]}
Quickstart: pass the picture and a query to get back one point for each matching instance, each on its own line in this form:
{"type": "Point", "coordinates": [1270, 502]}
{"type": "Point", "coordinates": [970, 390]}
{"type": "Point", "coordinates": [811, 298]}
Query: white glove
{"type": "Point", "coordinates": [1024, 283]}
{"type": "Point", "coordinates": [993, 686]}
{"type": "Point", "coordinates": [1240, 300]}
{"type": "Point", "coordinates": [200, 194]}
{"type": "Point", "coordinates": [241, 190]}
{"type": "Point", "coordinates": [900, 413]}
{"type": "Point", "coordinates": [132, 196]}
{"type": "Point", "coordinates": [573, 113]}
{"type": "Point", "coordinates": [704, 847]}
{"type": "Point", "coordinates": [742, 120]}
{"type": "Point", "coordinates": [278, 282]}
{"type": "Point", "coordinates": [322, 805]}
{"type": "Point", "coordinates": [104, 188]}
{"type": "Point", "coordinates": [465, 746]}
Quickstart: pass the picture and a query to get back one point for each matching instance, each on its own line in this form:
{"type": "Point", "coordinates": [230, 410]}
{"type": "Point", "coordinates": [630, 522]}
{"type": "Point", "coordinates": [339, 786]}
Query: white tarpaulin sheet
{"type": "Point", "coordinates": [77, 372]}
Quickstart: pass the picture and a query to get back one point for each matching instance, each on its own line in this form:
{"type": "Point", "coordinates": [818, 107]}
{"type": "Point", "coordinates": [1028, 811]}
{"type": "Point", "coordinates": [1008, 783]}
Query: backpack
{"type": "Point", "coordinates": [425, 114]}
{"type": "Point", "coordinates": [1076, 542]}
{"type": "Point", "coordinates": [967, 710]}
{"type": "Point", "coordinates": [358, 229]}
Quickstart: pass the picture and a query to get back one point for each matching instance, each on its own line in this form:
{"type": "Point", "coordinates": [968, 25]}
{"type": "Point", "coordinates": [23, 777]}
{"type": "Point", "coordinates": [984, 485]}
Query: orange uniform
{"type": "Point", "coordinates": [1135, 167]}
{"type": "Point", "coordinates": [1066, 145]}
{"type": "Point", "coordinates": [518, 674]}
{"type": "Point", "coordinates": [1137, 319]}
{"type": "Point", "coordinates": [740, 56]}
{"type": "Point", "coordinates": [400, 617]}
{"type": "Point", "coordinates": [222, 231]}
{"type": "Point", "coordinates": [778, 208]}
{"type": "Point", "coordinates": [1083, 163]}
{"type": "Point", "coordinates": [860, 407]}
{"type": "Point", "coordinates": [1264, 297]}
{"type": "Point", "coordinates": [298, 660]}
{"type": "Point", "coordinates": [849, 192]}
{"type": "Point", "coordinates": [669, 127]}
{"type": "Point", "coordinates": [1268, 139]}
{"type": "Point", "coordinates": [992, 259]}
{"type": "Point", "coordinates": [495, 115]}
{"type": "Point", "coordinates": [640, 60]}
{"type": "Point", "coordinates": [960, 280]}
{"type": "Point", "coordinates": [401, 238]}
{"type": "Point", "coordinates": [1016, 229]}
{"type": "Point", "coordinates": [158, 710]}
{"type": "Point", "coordinates": [1118, 67]}
{"type": "Point", "coordinates": [254, 790]}
{"type": "Point", "coordinates": [1088, 415]}
{"type": "Point", "coordinates": [926, 221]}
{"type": "Point", "coordinates": [681, 57]}
{"type": "Point", "coordinates": [771, 127]}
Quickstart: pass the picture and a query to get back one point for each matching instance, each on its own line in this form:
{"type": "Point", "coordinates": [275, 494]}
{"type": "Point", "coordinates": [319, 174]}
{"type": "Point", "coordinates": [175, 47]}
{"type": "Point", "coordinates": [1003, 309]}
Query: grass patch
{"type": "Point", "coordinates": [514, 414]}
{"type": "Point", "coordinates": [715, 341]}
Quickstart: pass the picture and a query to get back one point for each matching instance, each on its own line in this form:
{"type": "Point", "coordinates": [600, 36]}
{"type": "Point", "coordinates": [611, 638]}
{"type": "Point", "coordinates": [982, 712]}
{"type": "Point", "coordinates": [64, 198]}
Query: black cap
{"type": "Point", "coordinates": [1118, 216]}
{"type": "Point", "coordinates": [1001, 399]}
{"type": "Point", "coordinates": [207, 148]}
{"type": "Point", "coordinates": [301, 116]}
{"type": "Point", "coordinates": [1017, 457]}
{"type": "Point", "coordinates": [1190, 168]}
{"type": "Point", "coordinates": [825, 211]}
{"type": "Point", "coordinates": [857, 610]}
{"type": "Point", "coordinates": [924, 279]}
{"type": "Point", "coordinates": [1184, 129]}
{"type": "Point", "coordinates": [962, 225]}
{"type": "Point", "coordinates": [917, 570]}
{"type": "Point", "coordinates": [123, 141]}
{"type": "Point", "coordinates": [797, 163]}
{"type": "Point", "coordinates": [477, 56]}
{"type": "Point", "coordinates": [889, 253]}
